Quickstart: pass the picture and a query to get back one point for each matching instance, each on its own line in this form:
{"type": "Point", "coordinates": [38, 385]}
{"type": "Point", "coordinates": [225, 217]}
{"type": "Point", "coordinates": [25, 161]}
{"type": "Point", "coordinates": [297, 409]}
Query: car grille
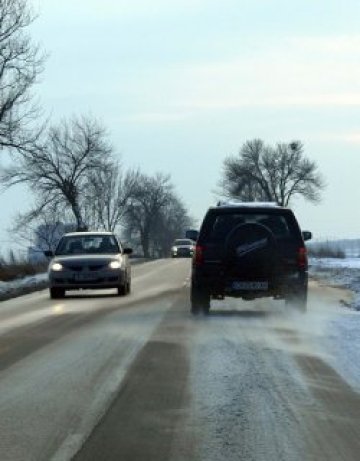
{"type": "Point", "coordinates": [183, 251]}
{"type": "Point", "coordinates": [74, 268]}
{"type": "Point", "coordinates": [70, 281]}
{"type": "Point", "coordinates": [96, 268]}
{"type": "Point", "coordinates": [92, 267]}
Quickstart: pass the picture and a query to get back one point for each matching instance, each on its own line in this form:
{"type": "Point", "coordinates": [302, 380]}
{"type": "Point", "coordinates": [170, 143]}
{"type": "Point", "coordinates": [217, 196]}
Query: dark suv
{"type": "Point", "coordinates": [248, 251]}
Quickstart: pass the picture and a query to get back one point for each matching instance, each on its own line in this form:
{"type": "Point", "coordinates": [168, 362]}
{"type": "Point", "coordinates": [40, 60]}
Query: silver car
{"type": "Point", "coordinates": [84, 260]}
{"type": "Point", "coordinates": [182, 248]}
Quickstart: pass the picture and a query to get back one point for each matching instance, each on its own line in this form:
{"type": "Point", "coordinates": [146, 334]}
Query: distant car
{"type": "Point", "coordinates": [84, 260]}
{"type": "Point", "coordinates": [182, 248]}
{"type": "Point", "coordinates": [249, 250]}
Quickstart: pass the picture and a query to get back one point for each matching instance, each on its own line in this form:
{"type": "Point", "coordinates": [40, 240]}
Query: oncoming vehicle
{"type": "Point", "coordinates": [182, 248]}
{"type": "Point", "coordinates": [248, 251]}
{"type": "Point", "coordinates": [84, 260]}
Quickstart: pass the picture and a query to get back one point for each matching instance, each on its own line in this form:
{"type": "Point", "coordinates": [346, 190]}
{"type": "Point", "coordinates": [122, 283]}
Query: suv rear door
{"type": "Point", "coordinates": [218, 228]}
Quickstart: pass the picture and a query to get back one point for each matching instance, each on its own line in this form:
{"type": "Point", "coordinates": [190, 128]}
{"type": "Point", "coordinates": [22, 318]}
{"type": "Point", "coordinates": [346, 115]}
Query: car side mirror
{"type": "Point", "coordinates": [306, 235]}
{"type": "Point", "coordinates": [127, 251]}
{"type": "Point", "coordinates": [48, 253]}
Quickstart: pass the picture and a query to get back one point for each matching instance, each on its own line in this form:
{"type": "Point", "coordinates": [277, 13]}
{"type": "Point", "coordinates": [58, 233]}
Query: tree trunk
{"type": "Point", "coordinates": [145, 243]}
{"type": "Point", "coordinates": [80, 225]}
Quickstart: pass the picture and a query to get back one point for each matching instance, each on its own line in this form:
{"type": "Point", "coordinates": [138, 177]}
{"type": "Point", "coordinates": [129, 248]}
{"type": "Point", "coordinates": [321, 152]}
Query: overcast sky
{"type": "Point", "coordinates": [181, 84]}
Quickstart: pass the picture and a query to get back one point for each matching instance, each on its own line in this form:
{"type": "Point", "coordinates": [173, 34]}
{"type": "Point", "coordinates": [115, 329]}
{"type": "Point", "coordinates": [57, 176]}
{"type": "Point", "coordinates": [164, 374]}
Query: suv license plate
{"type": "Point", "coordinates": [250, 286]}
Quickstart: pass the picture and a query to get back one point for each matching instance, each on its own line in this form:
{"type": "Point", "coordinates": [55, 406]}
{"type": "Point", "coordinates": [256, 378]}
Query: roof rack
{"type": "Point", "coordinates": [223, 203]}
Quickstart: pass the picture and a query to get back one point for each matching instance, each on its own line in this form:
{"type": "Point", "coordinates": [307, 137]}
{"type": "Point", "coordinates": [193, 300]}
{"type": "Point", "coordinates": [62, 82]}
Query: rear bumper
{"type": "Point", "coordinates": [278, 287]}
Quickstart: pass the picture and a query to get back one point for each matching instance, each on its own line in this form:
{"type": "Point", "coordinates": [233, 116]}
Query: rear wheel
{"type": "Point", "coordinates": [297, 300]}
{"type": "Point", "coordinates": [56, 293]}
{"type": "Point", "coordinates": [200, 301]}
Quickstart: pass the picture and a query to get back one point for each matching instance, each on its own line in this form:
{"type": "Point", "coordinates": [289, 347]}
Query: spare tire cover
{"type": "Point", "coordinates": [251, 251]}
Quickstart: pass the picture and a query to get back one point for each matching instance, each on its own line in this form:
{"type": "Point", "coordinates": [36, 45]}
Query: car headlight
{"type": "Point", "coordinates": [115, 265]}
{"type": "Point", "coordinates": [57, 267]}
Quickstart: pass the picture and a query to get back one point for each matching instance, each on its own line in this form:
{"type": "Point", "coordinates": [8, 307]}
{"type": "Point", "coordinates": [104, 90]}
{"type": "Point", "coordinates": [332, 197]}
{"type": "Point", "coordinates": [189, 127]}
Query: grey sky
{"type": "Point", "coordinates": [181, 84]}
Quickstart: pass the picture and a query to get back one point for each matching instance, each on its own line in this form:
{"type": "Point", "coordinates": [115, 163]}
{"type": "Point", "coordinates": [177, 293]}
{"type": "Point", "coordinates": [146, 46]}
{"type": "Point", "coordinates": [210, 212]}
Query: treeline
{"type": "Point", "coordinates": [71, 168]}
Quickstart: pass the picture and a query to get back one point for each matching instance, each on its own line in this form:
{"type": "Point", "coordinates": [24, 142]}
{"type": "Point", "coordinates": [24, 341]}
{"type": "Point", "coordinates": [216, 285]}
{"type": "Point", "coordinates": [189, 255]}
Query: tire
{"type": "Point", "coordinates": [125, 289]}
{"type": "Point", "coordinates": [200, 301]}
{"type": "Point", "coordinates": [297, 301]}
{"type": "Point", "coordinates": [122, 290]}
{"type": "Point", "coordinates": [56, 293]}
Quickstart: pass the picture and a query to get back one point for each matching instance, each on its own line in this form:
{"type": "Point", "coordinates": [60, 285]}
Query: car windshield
{"type": "Point", "coordinates": [183, 242]}
{"type": "Point", "coordinates": [89, 244]}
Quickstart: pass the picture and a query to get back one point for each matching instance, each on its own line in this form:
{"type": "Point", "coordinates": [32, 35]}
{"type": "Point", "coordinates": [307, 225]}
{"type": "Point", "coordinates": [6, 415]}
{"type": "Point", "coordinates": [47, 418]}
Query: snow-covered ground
{"type": "Point", "coordinates": [22, 285]}
{"type": "Point", "coordinates": [341, 340]}
{"type": "Point", "coordinates": [339, 272]}
{"type": "Point", "coordinates": [343, 346]}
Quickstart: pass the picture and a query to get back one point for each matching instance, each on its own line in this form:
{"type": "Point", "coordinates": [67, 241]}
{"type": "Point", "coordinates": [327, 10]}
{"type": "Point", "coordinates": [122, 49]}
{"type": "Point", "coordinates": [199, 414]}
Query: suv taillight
{"type": "Point", "coordinates": [198, 257]}
{"type": "Point", "coordinates": [302, 258]}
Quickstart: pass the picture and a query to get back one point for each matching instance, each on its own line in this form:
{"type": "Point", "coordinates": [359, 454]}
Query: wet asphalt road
{"type": "Point", "coordinates": [98, 377]}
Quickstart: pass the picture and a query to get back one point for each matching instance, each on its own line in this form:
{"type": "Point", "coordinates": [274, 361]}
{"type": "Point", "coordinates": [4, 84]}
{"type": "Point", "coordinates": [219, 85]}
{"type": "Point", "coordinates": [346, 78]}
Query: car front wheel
{"type": "Point", "coordinates": [57, 293]}
{"type": "Point", "coordinates": [297, 300]}
{"type": "Point", "coordinates": [125, 288]}
{"type": "Point", "coordinates": [122, 290]}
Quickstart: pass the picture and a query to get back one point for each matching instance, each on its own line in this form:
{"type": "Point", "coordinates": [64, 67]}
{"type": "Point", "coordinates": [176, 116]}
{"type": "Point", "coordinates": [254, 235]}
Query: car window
{"type": "Point", "coordinates": [90, 244]}
{"type": "Point", "coordinates": [183, 242]}
{"type": "Point", "coordinates": [218, 227]}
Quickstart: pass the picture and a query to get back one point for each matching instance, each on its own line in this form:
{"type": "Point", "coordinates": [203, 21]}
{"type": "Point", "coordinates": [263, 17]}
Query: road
{"type": "Point", "coordinates": [98, 377]}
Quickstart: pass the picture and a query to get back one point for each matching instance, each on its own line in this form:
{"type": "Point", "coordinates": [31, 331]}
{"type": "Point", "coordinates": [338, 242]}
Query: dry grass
{"type": "Point", "coordinates": [14, 271]}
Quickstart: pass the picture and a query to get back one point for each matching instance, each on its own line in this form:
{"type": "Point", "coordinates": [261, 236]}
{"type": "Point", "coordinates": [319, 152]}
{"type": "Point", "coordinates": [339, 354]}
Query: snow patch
{"type": "Point", "coordinates": [19, 285]}
{"type": "Point", "coordinates": [342, 341]}
{"type": "Point", "coordinates": [339, 272]}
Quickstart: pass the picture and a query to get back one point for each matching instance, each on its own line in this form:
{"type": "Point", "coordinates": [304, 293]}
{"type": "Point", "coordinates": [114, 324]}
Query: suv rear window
{"type": "Point", "coordinates": [217, 227]}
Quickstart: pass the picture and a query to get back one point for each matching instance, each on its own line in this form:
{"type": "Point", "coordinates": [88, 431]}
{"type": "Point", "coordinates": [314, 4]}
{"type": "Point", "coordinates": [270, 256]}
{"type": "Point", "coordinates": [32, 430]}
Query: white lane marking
{"type": "Point", "coordinates": [98, 407]}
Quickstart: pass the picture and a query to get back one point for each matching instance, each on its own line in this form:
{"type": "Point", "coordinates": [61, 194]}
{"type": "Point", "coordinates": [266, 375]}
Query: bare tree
{"type": "Point", "coordinates": [172, 222]}
{"type": "Point", "coordinates": [59, 170]}
{"type": "Point", "coordinates": [151, 195]}
{"type": "Point", "coordinates": [110, 191]}
{"type": "Point", "coordinates": [42, 231]}
{"type": "Point", "coordinates": [21, 62]}
{"type": "Point", "coordinates": [277, 174]}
